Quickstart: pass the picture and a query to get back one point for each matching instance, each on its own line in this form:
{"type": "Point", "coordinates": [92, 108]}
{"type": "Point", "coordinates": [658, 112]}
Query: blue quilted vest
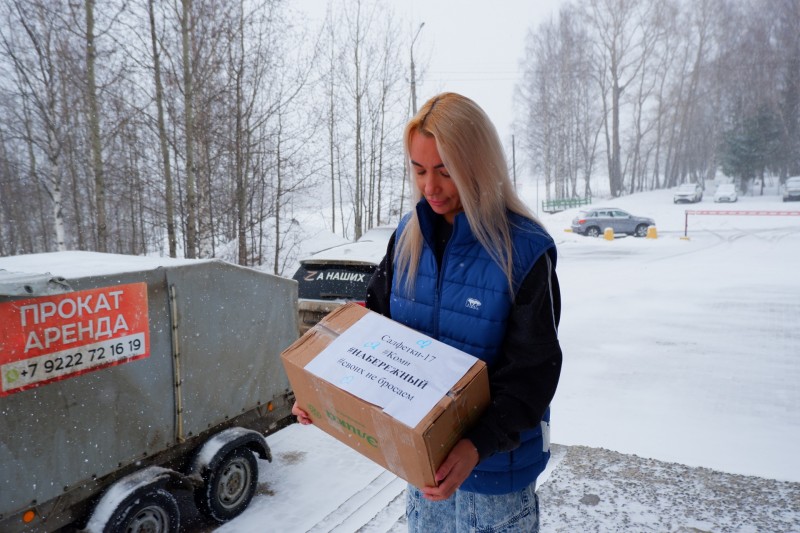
{"type": "Point", "coordinates": [466, 304]}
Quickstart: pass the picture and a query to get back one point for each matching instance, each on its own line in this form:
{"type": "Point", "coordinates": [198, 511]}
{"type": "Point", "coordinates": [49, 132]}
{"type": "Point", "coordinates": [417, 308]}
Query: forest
{"type": "Point", "coordinates": [200, 128]}
{"type": "Point", "coordinates": [651, 94]}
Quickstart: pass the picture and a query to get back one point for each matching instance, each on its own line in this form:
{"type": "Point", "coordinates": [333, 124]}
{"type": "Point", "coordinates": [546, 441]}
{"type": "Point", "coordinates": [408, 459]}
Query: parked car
{"type": "Point", "coordinates": [331, 277]}
{"type": "Point", "coordinates": [688, 192]}
{"type": "Point", "coordinates": [593, 222]}
{"type": "Point", "coordinates": [725, 192]}
{"type": "Point", "coordinates": [791, 189]}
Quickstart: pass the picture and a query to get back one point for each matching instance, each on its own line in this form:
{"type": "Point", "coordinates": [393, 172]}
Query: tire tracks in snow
{"type": "Point", "coordinates": [724, 237]}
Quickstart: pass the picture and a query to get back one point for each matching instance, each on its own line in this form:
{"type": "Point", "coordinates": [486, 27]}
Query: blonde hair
{"type": "Point", "coordinates": [471, 151]}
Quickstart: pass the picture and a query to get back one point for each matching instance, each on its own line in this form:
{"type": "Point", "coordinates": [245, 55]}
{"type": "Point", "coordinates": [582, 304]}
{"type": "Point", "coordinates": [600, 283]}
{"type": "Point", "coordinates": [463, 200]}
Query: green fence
{"type": "Point", "coordinates": [560, 204]}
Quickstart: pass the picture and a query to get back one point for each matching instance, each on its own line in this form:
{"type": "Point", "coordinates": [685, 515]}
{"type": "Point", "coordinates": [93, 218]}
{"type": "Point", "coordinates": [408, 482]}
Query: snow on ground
{"type": "Point", "coordinates": [593, 489]}
{"type": "Point", "coordinates": [316, 483]}
{"type": "Point", "coordinates": [679, 402]}
{"type": "Point", "coordinates": [695, 341]}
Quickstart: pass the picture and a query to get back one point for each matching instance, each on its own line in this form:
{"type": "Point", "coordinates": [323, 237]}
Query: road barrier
{"type": "Point", "coordinates": [560, 204]}
{"type": "Point", "coordinates": [736, 212]}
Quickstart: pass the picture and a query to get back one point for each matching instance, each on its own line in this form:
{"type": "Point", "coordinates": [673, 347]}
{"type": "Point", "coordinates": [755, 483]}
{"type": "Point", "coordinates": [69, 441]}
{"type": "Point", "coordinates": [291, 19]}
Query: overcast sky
{"type": "Point", "coordinates": [472, 47]}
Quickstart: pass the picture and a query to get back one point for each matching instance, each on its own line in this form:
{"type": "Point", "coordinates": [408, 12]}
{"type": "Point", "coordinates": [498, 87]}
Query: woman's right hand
{"type": "Point", "coordinates": [301, 415]}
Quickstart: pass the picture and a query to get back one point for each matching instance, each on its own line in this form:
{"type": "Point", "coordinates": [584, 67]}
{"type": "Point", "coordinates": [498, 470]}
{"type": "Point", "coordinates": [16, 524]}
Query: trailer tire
{"type": "Point", "coordinates": [148, 509]}
{"type": "Point", "coordinates": [230, 486]}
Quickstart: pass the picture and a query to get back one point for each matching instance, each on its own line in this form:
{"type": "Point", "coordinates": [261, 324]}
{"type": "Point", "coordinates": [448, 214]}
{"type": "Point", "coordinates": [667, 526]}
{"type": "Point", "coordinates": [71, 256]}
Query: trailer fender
{"type": "Point", "coordinates": [224, 442]}
{"type": "Point", "coordinates": [228, 470]}
{"type": "Point", "coordinates": [117, 493]}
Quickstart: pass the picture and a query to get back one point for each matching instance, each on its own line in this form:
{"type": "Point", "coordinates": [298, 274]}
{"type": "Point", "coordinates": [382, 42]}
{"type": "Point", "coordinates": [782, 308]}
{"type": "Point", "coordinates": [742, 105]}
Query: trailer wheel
{"type": "Point", "coordinates": [147, 510]}
{"type": "Point", "coordinates": [230, 486]}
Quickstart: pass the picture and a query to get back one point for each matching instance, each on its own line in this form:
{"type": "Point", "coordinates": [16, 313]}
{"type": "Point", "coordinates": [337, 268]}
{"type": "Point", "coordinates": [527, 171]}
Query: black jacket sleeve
{"type": "Point", "coordinates": [380, 285]}
{"type": "Point", "coordinates": [523, 381]}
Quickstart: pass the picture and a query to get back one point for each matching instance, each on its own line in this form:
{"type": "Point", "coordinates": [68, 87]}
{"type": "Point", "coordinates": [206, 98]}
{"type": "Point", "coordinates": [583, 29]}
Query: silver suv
{"type": "Point", "coordinates": [593, 222]}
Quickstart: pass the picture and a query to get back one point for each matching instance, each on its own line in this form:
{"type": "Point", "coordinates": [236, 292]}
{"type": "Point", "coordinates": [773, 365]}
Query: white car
{"type": "Point", "coordinates": [331, 277]}
{"type": "Point", "coordinates": [688, 192]}
{"type": "Point", "coordinates": [791, 189]}
{"type": "Point", "coordinates": [725, 192]}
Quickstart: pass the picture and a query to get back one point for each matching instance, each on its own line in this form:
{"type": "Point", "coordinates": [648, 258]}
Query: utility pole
{"type": "Point", "coordinates": [413, 72]}
{"type": "Point", "coordinates": [413, 110]}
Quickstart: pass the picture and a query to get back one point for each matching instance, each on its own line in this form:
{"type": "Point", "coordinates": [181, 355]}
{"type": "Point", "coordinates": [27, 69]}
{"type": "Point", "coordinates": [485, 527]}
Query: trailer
{"type": "Point", "coordinates": [127, 379]}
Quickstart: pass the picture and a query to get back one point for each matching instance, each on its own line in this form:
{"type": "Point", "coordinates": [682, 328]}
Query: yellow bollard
{"type": "Point", "coordinates": [652, 233]}
{"type": "Point", "coordinates": [608, 234]}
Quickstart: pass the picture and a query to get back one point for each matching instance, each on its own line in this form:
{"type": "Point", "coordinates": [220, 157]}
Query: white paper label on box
{"type": "Point", "coordinates": [392, 366]}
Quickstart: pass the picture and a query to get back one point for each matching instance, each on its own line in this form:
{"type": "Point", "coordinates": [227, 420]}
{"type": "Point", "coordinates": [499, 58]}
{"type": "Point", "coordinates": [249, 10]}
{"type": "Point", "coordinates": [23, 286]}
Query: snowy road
{"type": "Point", "coordinates": [588, 489]}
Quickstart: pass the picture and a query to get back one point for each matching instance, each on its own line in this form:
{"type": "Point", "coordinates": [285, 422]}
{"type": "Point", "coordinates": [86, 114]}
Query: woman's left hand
{"type": "Point", "coordinates": [459, 463]}
{"type": "Point", "coordinates": [301, 415]}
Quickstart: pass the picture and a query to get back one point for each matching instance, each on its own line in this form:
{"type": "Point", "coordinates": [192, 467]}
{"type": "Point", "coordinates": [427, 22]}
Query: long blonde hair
{"type": "Point", "coordinates": [473, 155]}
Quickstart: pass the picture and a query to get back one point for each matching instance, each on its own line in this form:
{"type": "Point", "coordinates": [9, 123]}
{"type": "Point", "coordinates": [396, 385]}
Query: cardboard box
{"type": "Point", "coordinates": [413, 454]}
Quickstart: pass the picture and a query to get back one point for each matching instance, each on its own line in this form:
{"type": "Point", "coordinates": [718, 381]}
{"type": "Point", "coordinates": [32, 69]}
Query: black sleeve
{"type": "Point", "coordinates": [380, 285]}
{"type": "Point", "coordinates": [523, 381]}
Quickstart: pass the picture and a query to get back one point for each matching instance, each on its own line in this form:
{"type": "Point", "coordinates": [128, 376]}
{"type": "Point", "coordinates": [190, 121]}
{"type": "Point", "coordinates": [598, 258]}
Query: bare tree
{"type": "Point", "coordinates": [788, 36]}
{"type": "Point", "coordinates": [385, 126]}
{"type": "Point", "coordinates": [15, 230]}
{"type": "Point", "coordinates": [253, 54]}
{"type": "Point", "coordinates": [358, 25]}
{"type": "Point", "coordinates": [662, 71]}
{"type": "Point", "coordinates": [618, 27]}
{"type": "Point", "coordinates": [557, 96]}
{"type": "Point", "coordinates": [652, 33]}
{"type": "Point", "coordinates": [330, 86]}
{"type": "Point", "coordinates": [93, 119]}
{"type": "Point", "coordinates": [188, 102]}
{"type": "Point", "coordinates": [241, 138]}
{"type": "Point", "coordinates": [701, 26]}
{"type": "Point", "coordinates": [369, 80]}
{"type": "Point", "coordinates": [32, 42]}
{"type": "Point", "coordinates": [162, 132]}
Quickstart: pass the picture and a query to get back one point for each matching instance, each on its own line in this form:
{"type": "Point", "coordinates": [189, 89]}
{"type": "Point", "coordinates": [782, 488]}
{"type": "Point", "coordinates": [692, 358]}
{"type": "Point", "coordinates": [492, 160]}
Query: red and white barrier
{"type": "Point", "coordinates": [750, 213]}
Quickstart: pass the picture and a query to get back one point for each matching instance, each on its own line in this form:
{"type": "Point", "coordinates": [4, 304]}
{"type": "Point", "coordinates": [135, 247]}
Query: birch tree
{"type": "Point", "coordinates": [93, 119]}
{"type": "Point", "coordinates": [369, 80]}
{"type": "Point", "coordinates": [617, 25]}
{"type": "Point", "coordinates": [560, 125]}
{"type": "Point", "coordinates": [163, 143]}
{"type": "Point", "coordinates": [188, 112]}
{"type": "Point", "coordinates": [31, 41]}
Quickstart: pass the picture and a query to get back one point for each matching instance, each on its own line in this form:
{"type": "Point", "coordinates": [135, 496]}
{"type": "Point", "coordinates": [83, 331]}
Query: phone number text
{"type": "Point", "coordinates": [26, 372]}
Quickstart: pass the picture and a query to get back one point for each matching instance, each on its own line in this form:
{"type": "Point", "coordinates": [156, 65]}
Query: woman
{"type": "Point", "coordinates": [471, 267]}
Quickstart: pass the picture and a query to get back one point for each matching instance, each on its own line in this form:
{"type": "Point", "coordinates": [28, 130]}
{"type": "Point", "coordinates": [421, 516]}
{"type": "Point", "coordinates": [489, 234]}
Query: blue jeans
{"type": "Point", "coordinates": [463, 512]}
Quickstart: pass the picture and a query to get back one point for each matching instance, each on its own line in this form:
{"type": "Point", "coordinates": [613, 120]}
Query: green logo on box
{"type": "Point", "coordinates": [360, 433]}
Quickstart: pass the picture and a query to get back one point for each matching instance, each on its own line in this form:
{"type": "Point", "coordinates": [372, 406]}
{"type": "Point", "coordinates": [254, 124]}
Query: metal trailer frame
{"type": "Point", "coordinates": [216, 334]}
